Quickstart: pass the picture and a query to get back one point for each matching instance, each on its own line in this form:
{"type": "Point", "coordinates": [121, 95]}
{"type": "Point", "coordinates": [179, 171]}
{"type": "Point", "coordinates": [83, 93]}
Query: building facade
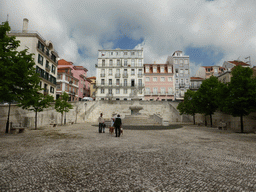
{"type": "Point", "coordinates": [45, 57]}
{"type": "Point", "coordinates": [93, 87]}
{"type": "Point", "coordinates": [206, 72]}
{"type": "Point", "coordinates": [66, 82]}
{"type": "Point", "coordinates": [120, 74]}
{"type": "Point", "coordinates": [158, 82]}
{"type": "Point", "coordinates": [80, 73]}
{"type": "Point", "coordinates": [195, 83]}
{"type": "Point", "coordinates": [181, 73]}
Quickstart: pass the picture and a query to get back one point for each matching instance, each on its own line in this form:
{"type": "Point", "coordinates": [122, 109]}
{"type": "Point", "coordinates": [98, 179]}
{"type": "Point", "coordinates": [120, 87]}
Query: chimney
{"type": "Point", "coordinates": [25, 25]}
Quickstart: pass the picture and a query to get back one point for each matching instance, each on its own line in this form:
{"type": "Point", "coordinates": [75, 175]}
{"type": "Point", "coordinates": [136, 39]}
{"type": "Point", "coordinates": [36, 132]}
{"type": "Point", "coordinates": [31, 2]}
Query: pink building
{"type": "Point", "coordinates": [80, 73]}
{"type": "Point", "coordinates": [158, 82]}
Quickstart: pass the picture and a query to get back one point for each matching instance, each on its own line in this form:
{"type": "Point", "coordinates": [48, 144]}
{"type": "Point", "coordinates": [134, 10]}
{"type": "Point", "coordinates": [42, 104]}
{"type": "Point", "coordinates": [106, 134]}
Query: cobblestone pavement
{"type": "Point", "coordinates": [78, 158]}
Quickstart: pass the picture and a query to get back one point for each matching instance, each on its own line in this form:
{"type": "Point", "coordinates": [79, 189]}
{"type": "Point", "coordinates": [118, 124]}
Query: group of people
{"type": "Point", "coordinates": [115, 122]}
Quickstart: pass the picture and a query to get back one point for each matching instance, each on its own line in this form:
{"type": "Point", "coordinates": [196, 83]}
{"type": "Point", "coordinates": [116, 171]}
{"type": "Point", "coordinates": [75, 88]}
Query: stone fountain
{"type": "Point", "coordinates": [136, 107]}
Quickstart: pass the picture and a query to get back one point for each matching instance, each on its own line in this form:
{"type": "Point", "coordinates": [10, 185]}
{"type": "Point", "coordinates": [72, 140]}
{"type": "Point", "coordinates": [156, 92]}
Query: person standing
{"type": "Point", "coordinates": [101, 123]}
{"type": "Point", "coordinates": [117, 125]}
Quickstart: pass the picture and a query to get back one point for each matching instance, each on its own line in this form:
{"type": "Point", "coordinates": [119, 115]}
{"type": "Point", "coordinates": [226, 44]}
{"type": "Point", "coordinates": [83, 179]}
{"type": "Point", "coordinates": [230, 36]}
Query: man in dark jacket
{"type": "Point", "coordinates": [117, 125]}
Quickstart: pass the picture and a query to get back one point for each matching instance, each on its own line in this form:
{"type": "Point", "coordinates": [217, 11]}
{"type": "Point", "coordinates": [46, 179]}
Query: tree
{"type": "Point", "coordinates": [207, 97]}
{"type": "Point", "coordinates": [17, 72]}
{"type": "Point", "coordinates": [241, 94]}
{"type": "Point", "coordinates": [188, 106]}
{"type": "Point", "coordinates": [62, 105]}
{"type": "Point", "coordinates": [36, 103]}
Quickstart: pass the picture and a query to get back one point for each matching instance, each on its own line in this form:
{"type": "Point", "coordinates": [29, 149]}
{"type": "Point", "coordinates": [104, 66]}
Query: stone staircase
{"type": "Point", "coordinates": [139, 120]}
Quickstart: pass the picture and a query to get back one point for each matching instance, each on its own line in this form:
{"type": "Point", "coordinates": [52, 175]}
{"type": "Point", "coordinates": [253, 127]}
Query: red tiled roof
{"type": "Point", "coordinates": [91, 77]}
{"type": "Point", "coordinates": [196, 78]}
{"type": "Point", "coordinates": [64, 62]}
{"type": "Point", "coordinates": [239, 63]}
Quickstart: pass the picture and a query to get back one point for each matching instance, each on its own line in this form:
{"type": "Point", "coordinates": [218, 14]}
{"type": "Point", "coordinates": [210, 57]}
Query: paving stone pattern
{"type": "Point", "coordinates": [78, 158]}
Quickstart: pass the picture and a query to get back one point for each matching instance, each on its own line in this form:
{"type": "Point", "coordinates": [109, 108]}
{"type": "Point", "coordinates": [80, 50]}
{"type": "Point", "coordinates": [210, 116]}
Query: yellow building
{"type": "Point", "coordinates": [92, 87]}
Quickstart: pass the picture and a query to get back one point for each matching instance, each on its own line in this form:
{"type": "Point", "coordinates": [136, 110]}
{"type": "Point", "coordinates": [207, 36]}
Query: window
{"type": "Point", "coordinates": [117, 81]}
{"type": "Point", "coordinates": [133, 72]}
{"type": "Point", "coordinates": [162, 90]}
{"type": "Point", "coordinates": [125, 71]}
{"type": "Point", "coordinates": [147, 69]}
{"type": "Point", "coordinates": [169, 70]}
{"type": "Point", "coordinates": [175, 61]}
{"type": "Point", "coordinates": [147, 90]}
{"type": "Point", "coordinates": [125, 62]}
{"type": "Point", "coordinates": [162, 69]}
{"type": "Point", "coordinates": [40, 59]}
{"type": "Point", "coordinates": [53, 57]}
{"type": "Point", "coordinates": [169, 79]}
{"type": "Point", "coordinates": [133, 63]}
{"type": "Point", "coordinates": [81, 90]}
{"type": "Point", "coordinates": [46, 75]}
{"type": "Point", "coordinates": [140, 82]}
{"type": "Point", "coordinates": [140, 71]}
{"type": "Point", "coordinates": [40, 46]}
{"type": "Point", "coordinates": [58, 86]}
{"type": "Point", "coordinates": [125, 82]}
{"type": "Point", "coordinates": [181, 81]}
{"type": "Point", "coordinates": [53, 69]}
{"type": "Point", "coordinates": [125, 53]}
{"type": "Point", "coordinates": [125, 91]}
{"type": "Point", "coordinates": [185, 61]}
{"type": "Point", "coordinates": [110, 62]}
{"type": "Point", "coordinates": [111, 53]}
{"type": "Point", "coordinates": [102, 90]}
{"type": "Point", "coordinates": [117, 91]}
{"type": "Point", "coordinates": [103, 62]}
{"type": "Point", "coordinates": [52, 89]}
{"type": "Point", "coordinates": [155, 79]}
{"type": "Point", "coordinates": [170, 90]}
{"type": "Point", "coordinates": [59, 76]}
{"type": "Point", "coordinates": [118, 71]}
{"type": "Point", "coordinates": [116, 53]}
{"type": "Point", "coordinates": [186, 71]}
{"type": "Point", "coordinates": [40, 84]}
{"type": "Point", "coordinates": [133, 53]}
{"type": "Point", "coordinates": [155, 89]}
{"type": "Point", "coordinates": [176, 71]}
{"type": "Point", "coordinates": [140, 53]}
{"type": "Point", "coordinates": [102, 81]}
{"type": "Point", "coordinates": [110, 91]}
{"type": "Point", "coordinates": [110, 71]}
{"type": "Point", "coordinates": [140, 63]}
{"type": "Point", "coordinates": [181, 71]}
{"type": "Point", "coordinates": [162, 79]}
{"type": "Point", "coordinates": [147, 79]}
{"type": "Point", "coordinates": [181, 61]}
{"type": "Point", "coordinates": [118, 62]}
{"type": "Point", "coordinates": [66, 87]}
{"type": "Point", "coordinates": [110, 81]}
{"type": "Point", "coordinates": [154, 69]}
{"type": "Point", "coordinates": [177, 81]}
{"type": "Point", "coordinates": [186, 81]}
{"type": "Point", "coordinates": [47, 65]}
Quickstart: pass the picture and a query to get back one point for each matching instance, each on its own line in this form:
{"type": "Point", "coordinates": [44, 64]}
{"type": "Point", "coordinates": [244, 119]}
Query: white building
{"type": "Point", "coordinates": [181, 72]}
{"type": "Point", "coordinates": [120, 74]}
{"type": "Point", "coordinates": [44, 56]}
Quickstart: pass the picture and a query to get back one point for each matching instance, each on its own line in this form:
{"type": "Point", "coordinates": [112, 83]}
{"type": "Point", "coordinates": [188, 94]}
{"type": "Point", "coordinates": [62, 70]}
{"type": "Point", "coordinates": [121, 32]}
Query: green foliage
{"type": "Point", "coordinates": [188, 106]}
{"type": "Point", "coordinates": [207, 96]}
{"type": "Point", "coordinates": [241, 100]}
{"type": "Point", "coordinates": [17, 72]}
{"type": "Point", "coordinates": [62, 105]}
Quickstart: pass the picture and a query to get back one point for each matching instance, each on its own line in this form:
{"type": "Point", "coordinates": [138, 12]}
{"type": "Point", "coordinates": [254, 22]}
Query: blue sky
{"type": "Point", "coordinates": [210, 32]}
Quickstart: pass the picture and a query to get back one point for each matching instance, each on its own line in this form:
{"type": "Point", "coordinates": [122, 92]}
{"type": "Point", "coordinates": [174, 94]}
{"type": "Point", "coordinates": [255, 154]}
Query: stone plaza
{"type": "Point", "coordinates": [76, 157]}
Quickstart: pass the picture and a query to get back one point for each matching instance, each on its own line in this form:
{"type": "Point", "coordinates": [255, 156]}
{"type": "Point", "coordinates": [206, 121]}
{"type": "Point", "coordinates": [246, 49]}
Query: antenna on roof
{"type": "Point", "coordinates": [248, 62]}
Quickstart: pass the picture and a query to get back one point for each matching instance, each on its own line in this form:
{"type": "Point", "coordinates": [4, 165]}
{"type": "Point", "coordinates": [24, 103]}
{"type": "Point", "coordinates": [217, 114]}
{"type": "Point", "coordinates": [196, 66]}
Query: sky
{"type": "Point", "coordinates": [208, 31]}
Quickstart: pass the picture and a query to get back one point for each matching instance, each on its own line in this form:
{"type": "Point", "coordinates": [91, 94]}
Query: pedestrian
{"type": "Point", "coordinates": [101, 123]}
{"type": "Point", "coordinates": [117, 125]}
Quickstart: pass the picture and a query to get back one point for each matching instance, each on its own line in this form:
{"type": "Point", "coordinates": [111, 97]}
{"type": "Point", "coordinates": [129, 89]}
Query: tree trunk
{"type": "Point", "coordinates": [242, 124]}
{"type": "Point", "coordinates": [65, 118]}
{"type": "Point", "coordinates": [211, 119]}
{"type": "Point", "coordinates": [7, 123]}
{"type": "Point", "coordinates": [61, 118]}
{"type": "Point", "coordinates": [36, 120]}
{"type": "Point", "coordinates": [194, 119]}
{"type": "Point", "coordinates": [205, 121]}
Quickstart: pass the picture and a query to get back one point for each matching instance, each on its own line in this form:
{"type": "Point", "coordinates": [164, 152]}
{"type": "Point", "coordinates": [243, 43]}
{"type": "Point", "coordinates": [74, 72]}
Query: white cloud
{"type": "Point", "coordinates": [165, 26]}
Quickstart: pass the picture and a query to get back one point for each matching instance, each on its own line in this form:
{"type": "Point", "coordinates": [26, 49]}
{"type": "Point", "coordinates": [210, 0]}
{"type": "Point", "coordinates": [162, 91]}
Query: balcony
{"type": "Point", "coordinates": [117, 75]}
{"type": "Point", "coordinates": [125, 75]}
{"type": "Point", "coordinates": [140, 75]}
{"type": "Point", "coordinates": [140, 85]}
{"type": "Point", "coordinates": [154, 93]}
{"type": "Point", "coordinates": [110, 74]}
{"type": "Point", "coordinates": [72, 93]}
{"type": "Point", "coordinates": [147, 93]}
{"type": "Point", "coordinates": [110, 95]}
{"type": "Point", "coordinates": [102, 75]}
{"type": "Point", "coordinates": [47, 68]}
{"type": "Point", "coordinates": [182, 85]}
